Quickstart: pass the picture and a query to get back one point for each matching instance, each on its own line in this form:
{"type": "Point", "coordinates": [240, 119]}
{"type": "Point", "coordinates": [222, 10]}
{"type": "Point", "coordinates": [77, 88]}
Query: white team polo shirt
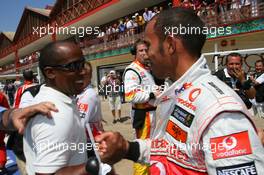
{"type": "Point", "coordinates": [51, 144]}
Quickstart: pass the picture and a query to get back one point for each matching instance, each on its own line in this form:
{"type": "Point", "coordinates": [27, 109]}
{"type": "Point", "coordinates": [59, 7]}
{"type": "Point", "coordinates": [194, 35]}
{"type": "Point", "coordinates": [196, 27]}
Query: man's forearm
{"type": "Point", "coordinates": [15, 119]}
{"type": "Point", "coordinates": [7, 120]}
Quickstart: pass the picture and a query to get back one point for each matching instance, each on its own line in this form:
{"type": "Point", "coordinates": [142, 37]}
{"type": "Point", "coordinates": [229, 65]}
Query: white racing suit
{"type": "Point", "coordinates": [90, 112]}
{"type": "Point", "coordinates": [90, 109]}
{"type": "Point", "coordinates": [138, 84]}
{"type": "Point", "coordinates": [204, 129]}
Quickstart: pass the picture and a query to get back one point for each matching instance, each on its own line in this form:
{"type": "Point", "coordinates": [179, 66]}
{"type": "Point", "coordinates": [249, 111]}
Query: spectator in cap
{"type": "Point", "coordinates": [140, 21]}
{"type": "Point", "coordinates": [113, 88]}
{"type": "Point", "coordinates": [135, 25]}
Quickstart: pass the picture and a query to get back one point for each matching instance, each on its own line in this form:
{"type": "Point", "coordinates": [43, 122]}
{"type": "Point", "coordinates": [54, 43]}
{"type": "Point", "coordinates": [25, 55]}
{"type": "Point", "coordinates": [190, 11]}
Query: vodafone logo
{"type": "Point", "coordinates": [194, 94]}
{"type": "Point", "coordinates": [229, 143]}
{"type": "Point", "coordinates": [187, 104]}
{"type": "Point", "coordinates": [83, 107]}
{"type": "Point", "coordinates": [233, 145]}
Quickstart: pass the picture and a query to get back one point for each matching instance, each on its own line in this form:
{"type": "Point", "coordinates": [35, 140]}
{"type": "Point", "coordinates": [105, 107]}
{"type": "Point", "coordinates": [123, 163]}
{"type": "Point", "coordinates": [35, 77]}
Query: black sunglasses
{"type": "Point", "coordinates": [73, 66]}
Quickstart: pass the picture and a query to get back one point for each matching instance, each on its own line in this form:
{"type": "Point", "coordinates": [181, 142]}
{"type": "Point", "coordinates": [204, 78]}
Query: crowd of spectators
{"type": "Point", "coordinates": [29, 59]}
{"type": "Point", "coordinates": [129, 25]}
{"type": "Point", "coordinates": [124, 31]}
{"type": "Point", "coordinates": [127, 30]}
{"type": "Point", "coordinates": [224, 10]}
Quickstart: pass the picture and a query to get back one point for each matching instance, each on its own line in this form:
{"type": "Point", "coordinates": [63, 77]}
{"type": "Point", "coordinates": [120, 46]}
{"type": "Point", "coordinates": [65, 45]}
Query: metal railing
{"type": "Point", "coordinates": [104, 45]}
{"type": "Point", "coordinates": [217, 14]}
{"type": "Point", "coordinates": [226, 13]}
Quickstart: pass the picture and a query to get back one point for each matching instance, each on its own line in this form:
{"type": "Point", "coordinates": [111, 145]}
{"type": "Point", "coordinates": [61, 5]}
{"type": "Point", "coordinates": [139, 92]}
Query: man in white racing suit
{"type": "Point", "coordinates": [89, 104]}
{"type": "Point", "coordinates": [204, 126]}
{"type": "Point", "coordinates": [201, 131]}
{"type": "Point", "coordinates": [140, 88]}
{"type": "Point", "coordinates": [90, 112]}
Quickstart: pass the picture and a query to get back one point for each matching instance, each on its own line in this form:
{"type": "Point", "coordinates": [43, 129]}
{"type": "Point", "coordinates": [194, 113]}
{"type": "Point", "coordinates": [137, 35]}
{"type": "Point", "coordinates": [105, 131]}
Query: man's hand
{"type": "Point", "coordinates": [157, 92]}
{"type": "Point", "coordinates": [239, 74]}
{"type": "Point", "coordinates": [22, 115]}
{"type": "Point", "coordinates": [112, 147]}
{"type": "Point", "coordinates": [254, 81]}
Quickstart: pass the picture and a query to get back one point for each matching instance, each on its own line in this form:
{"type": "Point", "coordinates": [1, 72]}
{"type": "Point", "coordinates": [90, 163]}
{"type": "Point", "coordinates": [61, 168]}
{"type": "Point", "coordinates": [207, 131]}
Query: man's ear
{"type": "Point", "coordinates": [50, 73]}
{"type": "Point", "coordinates": [171, 44]}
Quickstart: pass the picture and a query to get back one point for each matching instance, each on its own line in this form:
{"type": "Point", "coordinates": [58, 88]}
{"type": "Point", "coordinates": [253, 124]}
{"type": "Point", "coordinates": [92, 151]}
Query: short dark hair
{"type": "Point", "coordinates": [49, 55]}
{"type": "Point", "coordinates": [193, 42]}
{"type": "Point", "coordinates": [259, 61]}
{"type": "Point", "coordinates": [138, 42]}
{"type": "Point", "coordinates": [234, 54]}
{"type": "Point", "coordinates": [28, 75]}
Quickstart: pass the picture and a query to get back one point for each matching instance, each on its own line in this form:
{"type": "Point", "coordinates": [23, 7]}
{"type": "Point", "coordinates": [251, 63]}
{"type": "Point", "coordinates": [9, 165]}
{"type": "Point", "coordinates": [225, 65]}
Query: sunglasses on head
{"type": "Point", "coordinates": [72, 66]}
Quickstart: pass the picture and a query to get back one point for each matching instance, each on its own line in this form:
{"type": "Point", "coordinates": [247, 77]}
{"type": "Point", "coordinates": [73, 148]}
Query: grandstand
{"type": "Point", "coordinates": [108, 48]}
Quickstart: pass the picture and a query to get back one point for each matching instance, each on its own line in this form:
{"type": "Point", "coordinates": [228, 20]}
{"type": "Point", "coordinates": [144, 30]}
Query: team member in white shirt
{"type": "Point", "coordinates": [58, 146]}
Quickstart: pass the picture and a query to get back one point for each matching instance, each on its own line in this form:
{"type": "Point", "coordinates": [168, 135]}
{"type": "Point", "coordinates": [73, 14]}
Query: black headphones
{"type": "Point", "coordinates": [133, 49]}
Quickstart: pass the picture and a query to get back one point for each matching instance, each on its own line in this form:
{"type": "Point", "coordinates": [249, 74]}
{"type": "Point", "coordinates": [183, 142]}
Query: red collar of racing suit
{"type": "Point", "coordinates": [141, 65]}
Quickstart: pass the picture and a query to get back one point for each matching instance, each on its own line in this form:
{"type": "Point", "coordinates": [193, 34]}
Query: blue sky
{"type": "Point", "coordinates": [11, 12]}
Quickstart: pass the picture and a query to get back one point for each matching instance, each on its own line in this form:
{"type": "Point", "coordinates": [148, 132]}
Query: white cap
{"type": "Point", "coordinates": [112, 72]}
{"type": "Point", "coordinates": [136, 14]}
{"type": "Point", "coordinates": [133, 16]}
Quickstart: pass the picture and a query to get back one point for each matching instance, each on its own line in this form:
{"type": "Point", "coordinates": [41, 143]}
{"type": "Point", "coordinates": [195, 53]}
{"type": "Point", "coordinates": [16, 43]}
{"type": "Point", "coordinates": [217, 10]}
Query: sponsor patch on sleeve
{"type": "Point", "coordinates": [182, 116]}
{"type": "Point", "coordinates": [232, 145]}
{"type": "Point", "coordinates": [176, 132]}
{"type": "Point", "coordinates": [241, 169]}
{"type": "Point", "coordinates": [83, 107]}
